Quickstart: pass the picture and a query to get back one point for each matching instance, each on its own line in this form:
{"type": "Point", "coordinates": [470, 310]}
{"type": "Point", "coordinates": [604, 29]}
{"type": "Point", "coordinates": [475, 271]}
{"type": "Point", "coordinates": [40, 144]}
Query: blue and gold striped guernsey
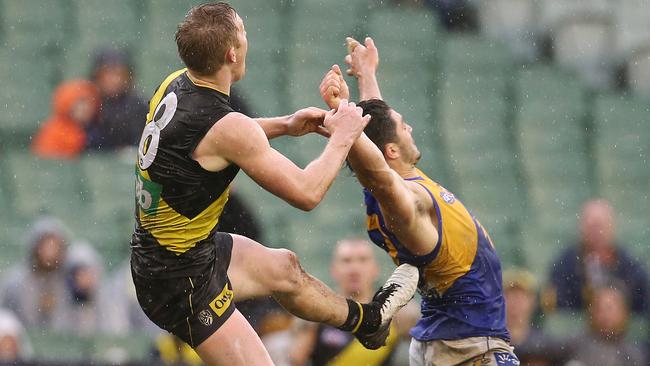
{"type": "Point", "coordinates": [460, 280]}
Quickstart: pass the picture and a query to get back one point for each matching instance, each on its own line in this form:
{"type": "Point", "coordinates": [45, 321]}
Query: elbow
{"type": "Point", "coordinates": [308, 201]}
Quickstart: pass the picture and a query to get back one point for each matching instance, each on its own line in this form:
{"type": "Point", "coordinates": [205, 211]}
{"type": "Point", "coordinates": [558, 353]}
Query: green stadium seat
{"type": "Point", "coordinates": [474, 55]}
{"type": "Point", "coordinates": [66, 347]}
{"type": "Point", "coordinates": [111, 194]}
{"type": "Point", "coordinates": [388, 25]}
{"type": "Point", "coordinates": [97, 23]}
{"type": "Point", "coordinates": [26, 99]}
{"type": "Point", "coordinates": [46, 186]}
{"type": "Point", "coordinates": [35, 23]}
{"type": "Point", "coordinates": [157, 56]}
{"type": "Point", "coordinates": [623, 170]}
{"type": "Point", "coordinates": [551, 139]}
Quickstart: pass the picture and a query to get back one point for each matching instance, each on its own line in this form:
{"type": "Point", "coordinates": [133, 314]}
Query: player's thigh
{"type": "Point", "coordinates": [256, 270]}
{"type": "Point", "coordinates": [234, 343]}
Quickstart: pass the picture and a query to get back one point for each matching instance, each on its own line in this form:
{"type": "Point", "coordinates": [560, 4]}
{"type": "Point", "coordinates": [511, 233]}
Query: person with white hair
{"type": "Point", "coordinates": [14, 343]}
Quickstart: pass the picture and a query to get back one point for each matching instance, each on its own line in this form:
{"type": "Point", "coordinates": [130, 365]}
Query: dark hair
{"type": "Point", "coordinates": [382, 129]}
{"type": "Point", "coordinates": [205, 35]}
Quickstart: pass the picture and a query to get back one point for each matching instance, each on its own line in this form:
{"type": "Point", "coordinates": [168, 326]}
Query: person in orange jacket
{"type": "Point", "coordinates": [74, 105]}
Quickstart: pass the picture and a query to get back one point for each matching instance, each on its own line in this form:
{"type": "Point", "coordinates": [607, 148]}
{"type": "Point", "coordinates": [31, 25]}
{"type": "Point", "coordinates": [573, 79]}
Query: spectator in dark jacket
{"type": "Point", "coordinates": [594, 262]}
{"type": "Point", "coordinates": [122, 114]}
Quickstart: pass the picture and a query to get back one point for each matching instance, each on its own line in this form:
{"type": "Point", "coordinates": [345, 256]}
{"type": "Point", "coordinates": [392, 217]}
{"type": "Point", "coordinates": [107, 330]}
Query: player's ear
{"type": "Point", "coordinates": [391, 151]}
{"type": "Point", "coordinates": [231, 55]}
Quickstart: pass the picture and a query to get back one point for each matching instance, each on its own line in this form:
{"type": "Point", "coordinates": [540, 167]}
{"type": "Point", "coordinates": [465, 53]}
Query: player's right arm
{"type": "Point", "coordinates": [239, 140]}
{"type": "Point", "coordinates": [363, 61]}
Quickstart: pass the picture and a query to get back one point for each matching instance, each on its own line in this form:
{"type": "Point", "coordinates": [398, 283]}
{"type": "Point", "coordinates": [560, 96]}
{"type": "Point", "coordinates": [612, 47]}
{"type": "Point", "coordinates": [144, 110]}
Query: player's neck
{"type": "Point", "coordinates": [220, 81]}
{"type": "Point", "coordinates": [405, 171]}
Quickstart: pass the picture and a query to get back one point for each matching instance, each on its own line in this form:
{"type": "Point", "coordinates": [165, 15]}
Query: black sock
{"type": "Point", "coordinates": [362, 318]}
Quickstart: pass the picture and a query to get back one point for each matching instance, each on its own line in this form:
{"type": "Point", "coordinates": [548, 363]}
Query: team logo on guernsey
{"type": "Point", "coordinates": [205, 318]}
{"type": "Point", "coordinates": [147, 193]}
{"type": "Point", "coordinates": [447, 197]}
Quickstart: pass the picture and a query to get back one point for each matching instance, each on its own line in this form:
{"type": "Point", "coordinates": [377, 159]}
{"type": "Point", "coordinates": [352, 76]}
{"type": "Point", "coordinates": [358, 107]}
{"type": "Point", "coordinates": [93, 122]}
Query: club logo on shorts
{"type": "Point", "coordinates": [506, 359]}
{"type": "Point", "coordinates": [447, 197]}
{"type": "Point", "coordinates": [205, 317]}
{"type": "Point", "coordinates": [221, 303]}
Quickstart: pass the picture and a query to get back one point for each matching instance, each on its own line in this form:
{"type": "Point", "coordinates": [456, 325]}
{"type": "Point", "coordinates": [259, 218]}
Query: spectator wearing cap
{"type": "Point", "coordinates": [594, 261]}
{"type": "Point", "coordinates": [532, 345]}
{"type": "Point", "coordinates": [122, 113]}
{"type": "Point", "coordinates": [14, 343]}
{"type": "Point", "coordinates": [34, 290]}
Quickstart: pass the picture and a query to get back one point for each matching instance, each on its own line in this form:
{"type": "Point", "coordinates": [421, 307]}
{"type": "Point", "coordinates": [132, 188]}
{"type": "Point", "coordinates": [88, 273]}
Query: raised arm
{"type": "Point", "coordinates": [363, 61]}
{"type": "Point", "coordinates": [240, 140]}
{"type": "Point", "coordinates": [405, 205]}
{"type": "Point", "coordinates": [368, 162]}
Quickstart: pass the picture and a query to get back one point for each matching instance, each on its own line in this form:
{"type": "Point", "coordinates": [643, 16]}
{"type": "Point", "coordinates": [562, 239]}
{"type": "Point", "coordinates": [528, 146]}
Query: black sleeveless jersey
{"type": "Point", "coordinates": [178, 203]}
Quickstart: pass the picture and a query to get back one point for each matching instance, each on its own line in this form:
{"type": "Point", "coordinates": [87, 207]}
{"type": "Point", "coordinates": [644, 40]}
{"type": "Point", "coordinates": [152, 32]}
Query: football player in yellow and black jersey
{"type": "Point", "coordinates": [187, 275]}
{"type": "Point", "coordinates": [417, 221]}
{"type": "Point", "coordinates": [354, 269]}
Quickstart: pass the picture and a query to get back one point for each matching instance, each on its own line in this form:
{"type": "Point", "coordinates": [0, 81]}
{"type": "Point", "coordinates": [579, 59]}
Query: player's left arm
{"type": "Point", "coordinates": [302, 122]}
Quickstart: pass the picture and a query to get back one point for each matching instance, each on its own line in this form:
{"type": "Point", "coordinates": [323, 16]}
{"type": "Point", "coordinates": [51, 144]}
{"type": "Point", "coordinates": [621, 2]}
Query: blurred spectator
{"type": "Point", "coordinates": [532, 345]}
{"type": "Point", "coordinates": [74, 104]}
{"type": "Point", "coordinates": [455, 15]}
{"type": "Point", "coordinates": [81, 313]}
{"type": "Point", "coordinates": [124, 315]}
{"type": "Point", "coordinates": [35, 290]}
{"type": "Point", "coordinates": [595, 261]}
{"type": "Point", "coordinates": [171, 351]}
{"type": "Point", "coordinates": [275, 331]}
{"type": "Point", "coordinates": [122, 114]}
{"type": "Point", "coordinates": [354, 269]}
{"type": "Point", "coordinates": [604, 343]}
{"type": "Point", "coordinates": [14, 343]}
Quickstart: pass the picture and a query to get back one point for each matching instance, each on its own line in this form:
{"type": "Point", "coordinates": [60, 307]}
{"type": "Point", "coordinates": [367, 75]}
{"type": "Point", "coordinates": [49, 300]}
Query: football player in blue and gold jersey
{"type": "Point", "coordinates": [419, 222]}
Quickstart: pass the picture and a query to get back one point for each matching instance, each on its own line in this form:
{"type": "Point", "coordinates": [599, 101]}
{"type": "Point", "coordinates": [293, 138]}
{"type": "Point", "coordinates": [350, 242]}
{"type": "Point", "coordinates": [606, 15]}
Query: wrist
{"type": "Point", "coordinates": [342, 138]}
{"type": "Point", "coordinates": [285, 126]}
{"type": "Point", "coordinates": [367, 73]}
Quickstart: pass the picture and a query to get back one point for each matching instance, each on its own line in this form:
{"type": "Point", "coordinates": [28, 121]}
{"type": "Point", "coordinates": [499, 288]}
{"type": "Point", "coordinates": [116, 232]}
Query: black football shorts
{"type": "Point", "coordinates": [192, 307]}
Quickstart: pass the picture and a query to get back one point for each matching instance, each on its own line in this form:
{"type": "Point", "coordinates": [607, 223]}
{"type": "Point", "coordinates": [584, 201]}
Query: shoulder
{"type": "Point", "coordinates": [236, 133]}
{"type": "Point", "coordinates": [235, 124]}
{"type": "Point", "coordinates": [422, 196]}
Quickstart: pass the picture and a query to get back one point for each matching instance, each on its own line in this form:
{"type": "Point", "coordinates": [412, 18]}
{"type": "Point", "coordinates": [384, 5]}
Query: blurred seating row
{"type": "Point", "coordinates": [596, 38]}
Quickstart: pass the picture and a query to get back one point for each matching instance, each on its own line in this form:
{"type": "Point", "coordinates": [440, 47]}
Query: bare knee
{"type": "Point", "coordinates": [288, 274]}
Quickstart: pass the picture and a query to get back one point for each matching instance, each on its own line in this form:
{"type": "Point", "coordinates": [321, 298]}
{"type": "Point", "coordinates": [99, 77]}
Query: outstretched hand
{"type": "Point", "coordinates": [333, 87]}
{"type": "Point", "coordinates": [306, 121]}
{"type": "Point", "coordinates": [361, 59]}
